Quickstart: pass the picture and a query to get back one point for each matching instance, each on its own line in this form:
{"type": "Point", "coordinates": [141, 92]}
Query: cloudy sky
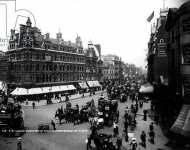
{"type": "Point", "coordinates": [120, 26]}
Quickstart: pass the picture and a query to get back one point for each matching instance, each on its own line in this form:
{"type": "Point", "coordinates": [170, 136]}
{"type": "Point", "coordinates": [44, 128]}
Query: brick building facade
{"type": "Point", "coordinates": [178, 26]}
{"type": "Point", "coordinates": [36, 60]}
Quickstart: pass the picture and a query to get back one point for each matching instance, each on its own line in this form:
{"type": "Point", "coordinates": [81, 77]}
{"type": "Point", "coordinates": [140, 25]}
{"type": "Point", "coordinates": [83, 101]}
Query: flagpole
{"type": "Point", "coordinates": [163, 4]}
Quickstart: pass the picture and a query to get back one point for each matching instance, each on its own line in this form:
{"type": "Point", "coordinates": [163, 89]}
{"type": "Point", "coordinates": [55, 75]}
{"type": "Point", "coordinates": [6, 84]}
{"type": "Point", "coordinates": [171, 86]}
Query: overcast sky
{"type": "Point", "coordinates": [120, 26]}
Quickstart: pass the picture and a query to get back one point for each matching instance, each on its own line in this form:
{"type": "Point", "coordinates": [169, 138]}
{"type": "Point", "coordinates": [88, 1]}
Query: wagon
{"type": "Point", "coordinates": [43, 128]}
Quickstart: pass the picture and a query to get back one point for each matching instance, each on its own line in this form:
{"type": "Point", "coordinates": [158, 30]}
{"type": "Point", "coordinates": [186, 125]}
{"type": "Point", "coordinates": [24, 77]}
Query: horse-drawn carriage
{"type": "Point", "coordinates": [99, 142]}
{"type": "Point", "coordinates": [123, 97]}
{"type": "Point", "coordinates": [11, 118]}
{"type": "Point", "coordinates": [74, 115]}
{"type": "Point", "coordinates": [109, 110]}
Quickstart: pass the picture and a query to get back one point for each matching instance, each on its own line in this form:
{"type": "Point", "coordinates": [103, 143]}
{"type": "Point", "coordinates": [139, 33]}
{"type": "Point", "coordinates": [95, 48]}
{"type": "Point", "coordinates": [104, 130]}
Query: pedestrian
{"type": "Point", "coordinates": [126, 124]}
{"type": "Point", "coordinates": [115, 129]}
{"type": "Point", "coordinates": [133, 144]}
{"type": "Point", "coordinates": [60, 117]}
{"type": "Point", "coordinates": [19, 143]}
{"type": "Point", "coordinates": [156, 118]}
{"type": "Point", "coordinates": [94, 92]}
{"type": "Point", "coordinates": [26, 101]}
{"type": "Point", "coordinates": [126, 135]}
{"type": "Point", "coordinates": [33, 105]}
{"type": "Point", "coordinates": [137, 106]}
{"type": "Point", "coordinates": [61, 110]}
{"type": "Point", "coordinates": [152, 135]}
{"type": "Point", "coordinates": [132, 98]}
{"type": "Point", "coordinates": [130, 119]}
{"type": "Point", "coordinates": [126, 113]}
{"type": "Point", "coordinates": [117, 116]}
{"type": "Point", "coordinates": [132, 107]}
{"type": "Point", "coordinates": [141, 104]}
{"type": "Point", "coordinates": [144, 115]}
{"type": "Point", "coordinates": [67, 98]}
{"type": "Point", "coordinates": [119, 142]}
{"type": "Point", "coordinates": [143, 139]}
{"type": "Point", "coordinates": [151, 126]}
{"type": "Point", "coordinates": [53, 124]}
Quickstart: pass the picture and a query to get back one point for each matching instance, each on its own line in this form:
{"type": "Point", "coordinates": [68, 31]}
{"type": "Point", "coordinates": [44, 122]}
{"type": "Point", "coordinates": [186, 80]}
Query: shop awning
{"type": "Point", "coordinates": [60, 88]}
{"type": "Point", "coordinates": [3, 86]}
{"type": "Point", "coordinates": [20, 91]}
{"type": "Point", "coordinates": [182, 124]}
{"type": "Point", "coordinates": [71, 87]}
{"type": "Point", "coordinates": [34, 91]}
{"type": "Point", "coordinates": [97, 83]}
{"type": "Point", "coordinates": [146, 88]}
{"type": "Point", "coordinates": [93, 84]}
{"type": "Point", "coordinates": [83, 85]}
{"type": "Point", "coordinates": [46, 89]}
{"type": "Point", "coordinates": [42, 90]}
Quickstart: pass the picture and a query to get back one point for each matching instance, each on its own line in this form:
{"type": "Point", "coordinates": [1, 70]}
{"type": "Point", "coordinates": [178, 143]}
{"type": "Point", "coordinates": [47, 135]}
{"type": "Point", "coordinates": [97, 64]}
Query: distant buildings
{"type": "Point", "coordinates": [112, 69]}
{"type": "Point", "coordinates": [91, 62]}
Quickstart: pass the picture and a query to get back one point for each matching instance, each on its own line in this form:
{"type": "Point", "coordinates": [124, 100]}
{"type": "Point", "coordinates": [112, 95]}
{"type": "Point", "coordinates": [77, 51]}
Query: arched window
{"type": "Point", "coordinates": [161, 40]}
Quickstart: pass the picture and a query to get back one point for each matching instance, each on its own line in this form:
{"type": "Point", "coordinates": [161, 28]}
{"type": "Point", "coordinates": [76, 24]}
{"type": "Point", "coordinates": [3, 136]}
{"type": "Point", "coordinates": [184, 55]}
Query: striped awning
{"type": "Point", "coordinates": [83, 85]}
{"type": "Point", "coordinates": [94, 84]}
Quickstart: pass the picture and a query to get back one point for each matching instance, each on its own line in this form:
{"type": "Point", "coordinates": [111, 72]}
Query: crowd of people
{"type": "Point", "coordinates": [129, 91]}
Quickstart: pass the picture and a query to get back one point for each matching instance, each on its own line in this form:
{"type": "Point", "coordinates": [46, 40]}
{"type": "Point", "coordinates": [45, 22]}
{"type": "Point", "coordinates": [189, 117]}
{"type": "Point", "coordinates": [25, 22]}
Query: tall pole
{"type": "Point", "coordinates": [163, 4]}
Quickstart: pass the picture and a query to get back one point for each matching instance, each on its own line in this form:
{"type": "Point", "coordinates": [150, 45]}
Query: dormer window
{"type": "Point", "coordinates": [186, 27]}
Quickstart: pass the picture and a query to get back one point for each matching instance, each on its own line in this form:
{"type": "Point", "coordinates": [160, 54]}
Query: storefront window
{"type": "Point", "coordinates": [186, 87]}
{"type": "Point", "coordinates": [186, 55]}
{"type": "Point", "coordinates": [186, 27]}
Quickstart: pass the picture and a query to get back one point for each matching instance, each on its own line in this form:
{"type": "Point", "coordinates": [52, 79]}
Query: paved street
{"type": "Point", "coordinates": [74, 140]}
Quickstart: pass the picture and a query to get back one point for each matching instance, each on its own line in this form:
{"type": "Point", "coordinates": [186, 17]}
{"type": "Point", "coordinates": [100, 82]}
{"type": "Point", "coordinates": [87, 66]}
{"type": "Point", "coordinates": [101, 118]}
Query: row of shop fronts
{"type": "Point", "coordinates": [82, 86]}
{"type": "Point", "coordinates": [38, 64]}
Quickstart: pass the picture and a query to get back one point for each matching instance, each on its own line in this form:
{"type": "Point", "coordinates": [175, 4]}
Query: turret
{"type": "Point", "coordinates": [28, 22]}
{"type": "Point", "coordinates": [79, 41]}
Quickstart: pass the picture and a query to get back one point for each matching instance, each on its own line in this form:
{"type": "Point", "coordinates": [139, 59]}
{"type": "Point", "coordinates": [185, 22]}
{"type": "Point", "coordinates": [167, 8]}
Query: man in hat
{"type": "Point", "coordinates": [19, 143]}
{"type": "Point", "coordinates": [115, 129]}
{"type": "Point", "coordinates": [144, 115]}
{"type": "Point", "coordinates": [133, 144]}
{"type": "Point", "coordinates": [143, 139]}
{"type": "Point", "coordinates": [119, 142]}
{"type": "Point", "coordinates": [53, 124]}
{"type": "Point", "coordinates": [33, 105]}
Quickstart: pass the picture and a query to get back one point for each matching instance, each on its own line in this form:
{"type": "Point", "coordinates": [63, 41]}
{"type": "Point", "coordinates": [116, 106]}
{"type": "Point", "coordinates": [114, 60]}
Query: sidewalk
{"type": "Point", "coordinates": [55, 101]}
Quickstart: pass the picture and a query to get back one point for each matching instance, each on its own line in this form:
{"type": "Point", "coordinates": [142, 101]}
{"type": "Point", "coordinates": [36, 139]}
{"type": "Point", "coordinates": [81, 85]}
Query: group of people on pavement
{"type": "Point", "coordinates": [151, 135]}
